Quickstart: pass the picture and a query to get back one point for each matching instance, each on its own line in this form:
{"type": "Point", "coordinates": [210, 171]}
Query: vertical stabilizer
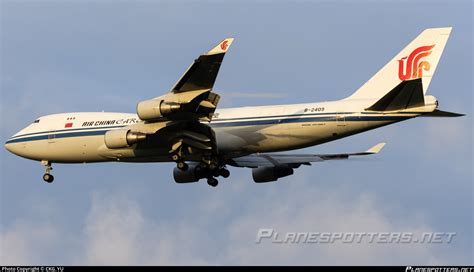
{"type": "Point", "coordinates": [418, 59]}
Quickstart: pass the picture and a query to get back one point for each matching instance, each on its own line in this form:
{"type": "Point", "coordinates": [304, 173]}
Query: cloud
{"type": "Point", "coordinates": [118, 231]}
{"type": "Point", "coordinates": [26, 242]}
{"type": "Point", "coordinates": [112, 231]}
{"type": "Point", "coordinates": [311, 209]}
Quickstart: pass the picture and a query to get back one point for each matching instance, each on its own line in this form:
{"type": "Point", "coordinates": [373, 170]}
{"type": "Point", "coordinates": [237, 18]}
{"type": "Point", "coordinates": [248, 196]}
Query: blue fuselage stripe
{"type": "Point", "coordinates": [101, 131]}
{"type": "Point", "coordinates": [66, 130]}
{"type": "Point", "coordinates": [308, 120]}
{"type": "Point", "coordinates": [282, 116]}
{"type": "Point", "coordinates": [56, 136]}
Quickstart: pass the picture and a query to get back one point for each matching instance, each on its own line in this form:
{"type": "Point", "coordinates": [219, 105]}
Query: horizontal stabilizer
{"type": "Point", "coordinates": [375, 149]}
{"type": "Point", "coordinates": [407, 94]}
{"type": "Point", "coordinates": [438, 113]}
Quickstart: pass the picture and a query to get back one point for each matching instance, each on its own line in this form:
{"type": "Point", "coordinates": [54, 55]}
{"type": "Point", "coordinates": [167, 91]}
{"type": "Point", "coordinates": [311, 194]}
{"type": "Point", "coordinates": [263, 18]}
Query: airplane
{"type": "Point", "coordinates": [184, 125]}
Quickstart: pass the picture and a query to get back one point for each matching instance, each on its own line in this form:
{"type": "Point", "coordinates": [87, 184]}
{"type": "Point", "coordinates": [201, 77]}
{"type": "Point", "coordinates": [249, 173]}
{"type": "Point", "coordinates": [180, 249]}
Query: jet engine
{"type": "Point", "coordinates": [196, 103]}
{"type": "Point", "coordinates": [189, 175]}
{"type": "Point", "coordinates": [268, 174]}
{"type": "Point", "coordinates": [155, 108]}
{"type": "Point", "coordinates": [121, 138]}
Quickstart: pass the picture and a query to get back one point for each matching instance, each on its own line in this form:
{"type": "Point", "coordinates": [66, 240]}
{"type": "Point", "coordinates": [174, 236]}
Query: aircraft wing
{"type": "Point", "coordinates": [175, 118]}
{"type": "Point", "coordinates": [191, 98]}
{"type": "Point", "coordinates": [295, 160]}
{"type": "Point", "coordinates": [202, 73]}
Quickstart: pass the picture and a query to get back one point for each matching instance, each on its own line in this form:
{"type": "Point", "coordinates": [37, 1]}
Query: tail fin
{"type": "Point", "coordinates": [417, 60]}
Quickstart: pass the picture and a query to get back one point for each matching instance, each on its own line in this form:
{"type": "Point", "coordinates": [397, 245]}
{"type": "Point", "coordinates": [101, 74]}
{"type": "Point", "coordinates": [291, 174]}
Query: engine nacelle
{"type": "Point", "coordinates": [121, 138]}
{"type": "Point", "coordinates": [189, 175]}
{"type": "Point", "coordinates": [154, 109]}
{"type": "Point", "coordinates": [268, 174]}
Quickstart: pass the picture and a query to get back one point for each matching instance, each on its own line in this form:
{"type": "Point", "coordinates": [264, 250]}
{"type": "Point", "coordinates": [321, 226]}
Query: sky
{"type": "Point", "coordinates": [98, 55]}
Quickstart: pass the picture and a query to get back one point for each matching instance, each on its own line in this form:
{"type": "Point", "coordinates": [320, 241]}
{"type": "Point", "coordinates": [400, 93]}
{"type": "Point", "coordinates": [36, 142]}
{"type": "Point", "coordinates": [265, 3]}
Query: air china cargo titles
{"type": "Point", "coordinates": [110, 122]}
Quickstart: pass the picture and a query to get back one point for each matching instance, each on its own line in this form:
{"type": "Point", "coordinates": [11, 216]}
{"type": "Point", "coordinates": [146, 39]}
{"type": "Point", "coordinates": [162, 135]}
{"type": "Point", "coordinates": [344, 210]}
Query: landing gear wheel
{"type": "Point", "coordinates": [182, 166]}
{"type": "Point", "coordinates": [224, 172]}
{"type": "Point", "coordinates": [48, 178]}
{"type": "Point", "coordinates": [212, 181]}
{"type": "Point", "coordinates": [175, 157]}
{"type": "Point", "coordinates": [212, 166]}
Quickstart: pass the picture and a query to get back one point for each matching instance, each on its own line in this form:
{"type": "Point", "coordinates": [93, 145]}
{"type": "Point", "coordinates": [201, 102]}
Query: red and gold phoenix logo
{"type": "Point", "coordinates": [224, 45]}
{"type": "Point", "coordinates": [413, 68]}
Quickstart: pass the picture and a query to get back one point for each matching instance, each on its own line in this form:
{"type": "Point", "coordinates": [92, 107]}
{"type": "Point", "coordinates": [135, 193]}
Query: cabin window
{"type": "Point", "coordinates": [36, 121]}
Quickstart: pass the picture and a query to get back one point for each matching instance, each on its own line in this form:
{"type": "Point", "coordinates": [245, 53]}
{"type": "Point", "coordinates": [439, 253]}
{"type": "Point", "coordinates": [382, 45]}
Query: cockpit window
{"type": "Point", "coordinates": [36, 121]}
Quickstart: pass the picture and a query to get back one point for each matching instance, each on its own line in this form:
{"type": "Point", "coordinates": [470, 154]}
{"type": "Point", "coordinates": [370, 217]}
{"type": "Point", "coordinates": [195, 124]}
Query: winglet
{"type": "Point", "coordinates": [376, 148]}
{"type": "Point", "coordinates": [222, 47]}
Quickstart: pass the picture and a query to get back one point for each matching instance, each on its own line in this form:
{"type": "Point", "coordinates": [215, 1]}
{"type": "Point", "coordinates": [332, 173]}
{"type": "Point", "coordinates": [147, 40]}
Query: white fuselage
{"type": "Point", "coordinates": [79, 137]}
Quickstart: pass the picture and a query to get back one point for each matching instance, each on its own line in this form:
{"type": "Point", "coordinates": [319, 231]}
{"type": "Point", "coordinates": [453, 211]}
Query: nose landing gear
{"type": "Point", "coordinates": [47, 177]}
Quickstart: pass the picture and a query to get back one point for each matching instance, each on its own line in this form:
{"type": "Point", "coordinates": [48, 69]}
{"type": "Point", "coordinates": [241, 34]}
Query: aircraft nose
{"type": "Point", "coordinates": [10, 147]}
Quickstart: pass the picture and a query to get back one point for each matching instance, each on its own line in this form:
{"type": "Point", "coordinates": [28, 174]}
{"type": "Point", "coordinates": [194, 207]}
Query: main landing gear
{"type": "Point", "coordinates": [211, 170]}
{"type": "Point", "coordinates": [47, 177]}
{"type": "Point", "coordinates": [208, 169]}
{"type": "Point", "coordinates": [183, 166]}
{"type": "Point", "coordinates": [216, 172]}
{"type": "Point", "coordinates": [212, 181]}
{"type": "Point", "coordinates": [221, 171]}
